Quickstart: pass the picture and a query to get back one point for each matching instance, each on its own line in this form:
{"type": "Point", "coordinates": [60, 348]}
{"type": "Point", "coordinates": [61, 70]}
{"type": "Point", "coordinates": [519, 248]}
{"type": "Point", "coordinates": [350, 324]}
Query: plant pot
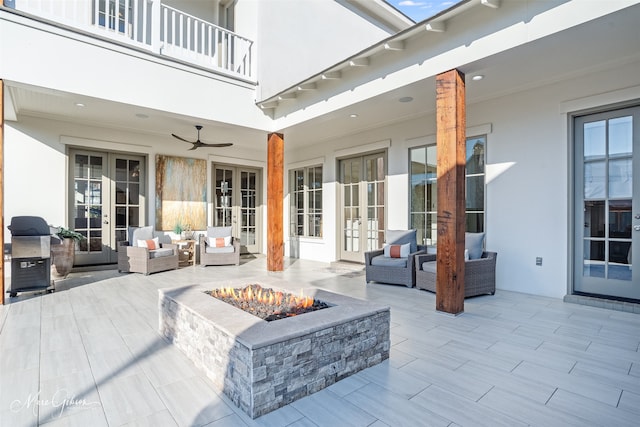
{"type": "Point", "coordinates": [62, 258]}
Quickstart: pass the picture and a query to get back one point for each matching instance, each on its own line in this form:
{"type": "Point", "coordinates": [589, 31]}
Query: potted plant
{"type": "Point", "coordinates": [183, 231]}
{"type": "Point", "coordinates": [63, 253]}
{"type": "Point", "coordinates": [177, 229]}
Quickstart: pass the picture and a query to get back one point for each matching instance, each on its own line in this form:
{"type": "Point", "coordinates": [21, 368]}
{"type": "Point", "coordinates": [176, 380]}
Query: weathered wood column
{"type": "Point", "coordinates": [450, 137]}
{"type": "Point", "coordinates": [275, 194]}
{"type": "Point", "coordinates": [2, 189]}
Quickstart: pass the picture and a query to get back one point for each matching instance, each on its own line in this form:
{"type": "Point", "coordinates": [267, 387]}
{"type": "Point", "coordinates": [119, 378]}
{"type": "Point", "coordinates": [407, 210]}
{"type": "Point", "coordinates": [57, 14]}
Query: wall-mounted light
{"type": "Point", "coordinates": [406, 99]}
{"type": "Point", "coordinates": [477, 77]}
{"type": "Point", "coordinates": [79, 104]}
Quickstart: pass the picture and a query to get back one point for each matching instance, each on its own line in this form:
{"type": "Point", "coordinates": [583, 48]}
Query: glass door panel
{"type": "Point", "coordinates": [248, 210]}
{"type": "Point", "coordinates": [607, 204]}
{"type": "Point", "coordinates": [362, 183]}
{"type": "Point", "coordinates": [224, 197]}
{"type": "Point", "coordinates": [237, 204]}
{"type": "Point", "coordinates": [128, 199]}
{"type": "Point", "coordinates": [108, 197]}
{"type": "Point", "coordinates": [375, 177]}
{"type": "Point", "coordinates": [351, 173]}
{"type": "Point", "coordinates": [89, 182]}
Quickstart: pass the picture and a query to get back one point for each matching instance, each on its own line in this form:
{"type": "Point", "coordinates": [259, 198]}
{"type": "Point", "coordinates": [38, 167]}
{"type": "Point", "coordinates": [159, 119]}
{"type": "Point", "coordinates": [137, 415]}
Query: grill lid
{"type": "Point", "coordinates": [29, 226]}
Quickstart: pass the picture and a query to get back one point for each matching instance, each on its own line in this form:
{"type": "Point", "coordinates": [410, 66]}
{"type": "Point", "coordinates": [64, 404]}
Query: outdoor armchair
{"type": "Point", "coordinates": [218, 247]}
{"type": "Point", "coordinates": [394, 263]}
{"type": "Point", "coordinates": [479, 274]}
{"type": "Point", "coordinates": [145, 253]}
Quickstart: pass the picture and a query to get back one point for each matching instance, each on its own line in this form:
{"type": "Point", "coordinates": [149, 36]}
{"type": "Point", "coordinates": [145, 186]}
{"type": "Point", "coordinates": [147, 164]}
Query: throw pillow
{"type": "Point", "coordinates": [397, 251]}
{"type": "Point", "coordinates": [474, 242]}
{"type": "Point", "coordinates": [140, 233]}
{"type": "Point", "coordinates": [150, 244]}
{"type": "Point", "coordinates": [219, 242]}
{"type": "Point", "coordinates": [218, 231]}
{"type": "Point", "coordinates": [400, 237]}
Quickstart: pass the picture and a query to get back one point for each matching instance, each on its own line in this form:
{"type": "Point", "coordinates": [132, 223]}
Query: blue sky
{"type": "Point", "coordinates": [419, 10]}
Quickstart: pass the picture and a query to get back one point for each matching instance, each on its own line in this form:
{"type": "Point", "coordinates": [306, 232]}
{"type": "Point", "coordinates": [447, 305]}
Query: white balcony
{"type": "Point", "coordinates": [153, 26]}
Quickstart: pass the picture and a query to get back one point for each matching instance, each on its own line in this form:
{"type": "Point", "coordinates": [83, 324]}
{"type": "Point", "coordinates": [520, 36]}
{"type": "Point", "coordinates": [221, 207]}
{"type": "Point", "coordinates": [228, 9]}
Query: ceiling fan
{"type": "Point", "coordinates": [198, 143]}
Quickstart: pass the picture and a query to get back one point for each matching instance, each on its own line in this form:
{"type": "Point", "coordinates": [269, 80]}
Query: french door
{"type": "Point", "coordinates": [236, 204]}
{"type": "Point", "coordinates": [108, 196]}
{"type": "Point", "coordinates": [362, 213]}
{"type": "Point", "coordinates": [607, 222]}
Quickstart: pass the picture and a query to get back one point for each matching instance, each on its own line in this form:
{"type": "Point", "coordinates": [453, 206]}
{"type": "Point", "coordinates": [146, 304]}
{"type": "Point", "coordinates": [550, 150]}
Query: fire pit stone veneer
{"type": "Point", "coordinates": [262, 365]}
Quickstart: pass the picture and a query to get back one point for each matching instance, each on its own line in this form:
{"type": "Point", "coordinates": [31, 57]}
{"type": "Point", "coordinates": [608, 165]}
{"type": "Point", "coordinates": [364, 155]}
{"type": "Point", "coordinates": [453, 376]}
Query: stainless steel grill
{"type": "Point", "coordinates": [30, 255]}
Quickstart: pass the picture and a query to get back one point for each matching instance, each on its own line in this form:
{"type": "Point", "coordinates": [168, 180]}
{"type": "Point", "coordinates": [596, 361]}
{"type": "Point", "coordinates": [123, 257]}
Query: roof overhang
{"type": "Point", "coordinates": [517, 45]}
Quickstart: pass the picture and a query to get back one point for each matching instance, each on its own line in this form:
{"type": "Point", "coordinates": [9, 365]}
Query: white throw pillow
{"type": "Point", "coordinates": [397, 251]}
{"type": "Point", "coordinates": [150, 244]}
{"type": "Point", "coordinates": [219, 242]}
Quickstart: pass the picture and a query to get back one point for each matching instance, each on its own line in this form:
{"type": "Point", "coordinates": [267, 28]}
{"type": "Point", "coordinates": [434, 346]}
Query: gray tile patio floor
{"type": "Point", "coordinates": [90, 355]}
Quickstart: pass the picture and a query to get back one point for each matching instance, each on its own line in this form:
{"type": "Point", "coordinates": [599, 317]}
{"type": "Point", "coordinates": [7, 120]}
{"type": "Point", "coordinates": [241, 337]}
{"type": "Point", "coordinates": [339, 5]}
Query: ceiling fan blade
{"type": "Point", "coordinates": [193, 148]}
{"type": "Point", "coordinates": [181, 138]}
{"type": "Point", "coordinates": [222, 144]}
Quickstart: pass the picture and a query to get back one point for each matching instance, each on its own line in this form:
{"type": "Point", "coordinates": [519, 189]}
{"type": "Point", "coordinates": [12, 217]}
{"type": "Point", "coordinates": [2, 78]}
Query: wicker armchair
{"type": "Point", "coordinates": [479, 274]}
{"type": "Point", "coordinates": [396, 271]}
{"type": "Point", "coordinates": [135, 259]}
{"type": "Point", "coordinates": [225, 255]}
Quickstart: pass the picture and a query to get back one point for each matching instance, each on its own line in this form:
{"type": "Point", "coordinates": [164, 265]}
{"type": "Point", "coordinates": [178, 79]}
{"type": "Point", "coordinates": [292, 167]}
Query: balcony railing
{"type": "Point", "coordinates": [153, 26]}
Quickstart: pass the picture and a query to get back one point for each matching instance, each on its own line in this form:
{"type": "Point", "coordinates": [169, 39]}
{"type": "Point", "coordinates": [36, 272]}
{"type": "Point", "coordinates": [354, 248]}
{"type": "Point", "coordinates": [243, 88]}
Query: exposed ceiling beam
{"type": "Point", "coordinates": [287, 96]}
{"type": "Point", "coordinates": [394, 45]}
{"type": "Point", "coordinates": [359, 62]}
{"type": "Point", "coordinates": [331, 75]}
{"type": "Point", "coordinates": [308, 86]}
{"type": "Point", "coordinates": [436, 27]}
{"type": "Point", "coordinates": [494, 4]}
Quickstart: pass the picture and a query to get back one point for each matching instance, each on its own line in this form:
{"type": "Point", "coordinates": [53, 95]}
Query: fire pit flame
{"type": "Point", "coordinates": [267, 303]}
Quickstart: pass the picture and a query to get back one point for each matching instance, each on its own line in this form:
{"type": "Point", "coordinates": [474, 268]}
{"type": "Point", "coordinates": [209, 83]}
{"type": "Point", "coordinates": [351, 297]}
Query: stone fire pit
{"type": "Point", "coordinates": [262, 365]}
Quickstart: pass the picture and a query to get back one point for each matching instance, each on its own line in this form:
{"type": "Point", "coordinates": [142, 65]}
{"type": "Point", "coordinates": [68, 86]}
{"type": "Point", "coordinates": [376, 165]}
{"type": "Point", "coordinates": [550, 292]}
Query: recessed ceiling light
{"type": "Point", "coordinates": [477, 77]}
{"type": "Point", "coordinates": [406, 99]}
{"type": "Point", "coordinates": [353, 116]}
{"type": "Point", "coordinates": [79, 104]}
{"type": "Point", "coordinates": [142, 116]}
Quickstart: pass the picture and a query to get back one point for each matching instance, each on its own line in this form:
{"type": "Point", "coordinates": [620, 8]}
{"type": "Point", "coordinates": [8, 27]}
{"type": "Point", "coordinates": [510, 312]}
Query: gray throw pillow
{"type": "Point", "coordinates": [218, 231]}
{"type": "Point", "coordinates": [474, 243]}
{"type": "Point", "coordinates": [140, 233]}
{"type": "Point", "coordinates": [400, 237]}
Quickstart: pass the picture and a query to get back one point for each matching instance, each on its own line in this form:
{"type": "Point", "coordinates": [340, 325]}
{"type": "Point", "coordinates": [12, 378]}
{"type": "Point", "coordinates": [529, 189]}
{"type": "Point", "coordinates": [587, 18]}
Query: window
{"type": "Point", "coordinates": [306, 202]}
{"type": "Point", "coordinates": [423, 199]}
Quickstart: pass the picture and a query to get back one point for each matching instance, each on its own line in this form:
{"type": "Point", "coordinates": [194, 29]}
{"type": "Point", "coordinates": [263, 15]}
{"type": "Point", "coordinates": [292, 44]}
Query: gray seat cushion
{"type": "Point", "coordinates": [399, 237]}
{"type": "Point", "coordinates": [384, 261]}
{"type": "Point", "coordinates": [158, 253]}
{"type": "Point", "coordinates": [220, 250]}
{"type": "Point", "coordinates": [429, 266]}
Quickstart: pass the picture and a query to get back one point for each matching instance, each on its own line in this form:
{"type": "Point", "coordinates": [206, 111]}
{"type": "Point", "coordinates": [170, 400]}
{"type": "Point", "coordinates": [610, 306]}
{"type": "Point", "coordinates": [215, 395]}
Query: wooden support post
{"type": "Point", "coordinates": [2, 272]}
{"type": "Point", "coordinates": [450, 137]}
{"type": "Point", "coordinates": [275, 195]}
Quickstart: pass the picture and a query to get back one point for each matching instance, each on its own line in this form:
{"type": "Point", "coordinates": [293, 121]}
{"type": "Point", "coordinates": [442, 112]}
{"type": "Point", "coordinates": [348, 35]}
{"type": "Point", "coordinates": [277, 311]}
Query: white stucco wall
{"type": "Point", "coordinates": [305, 37]}
{"type": "Point", "coordinates": [35, 181]}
